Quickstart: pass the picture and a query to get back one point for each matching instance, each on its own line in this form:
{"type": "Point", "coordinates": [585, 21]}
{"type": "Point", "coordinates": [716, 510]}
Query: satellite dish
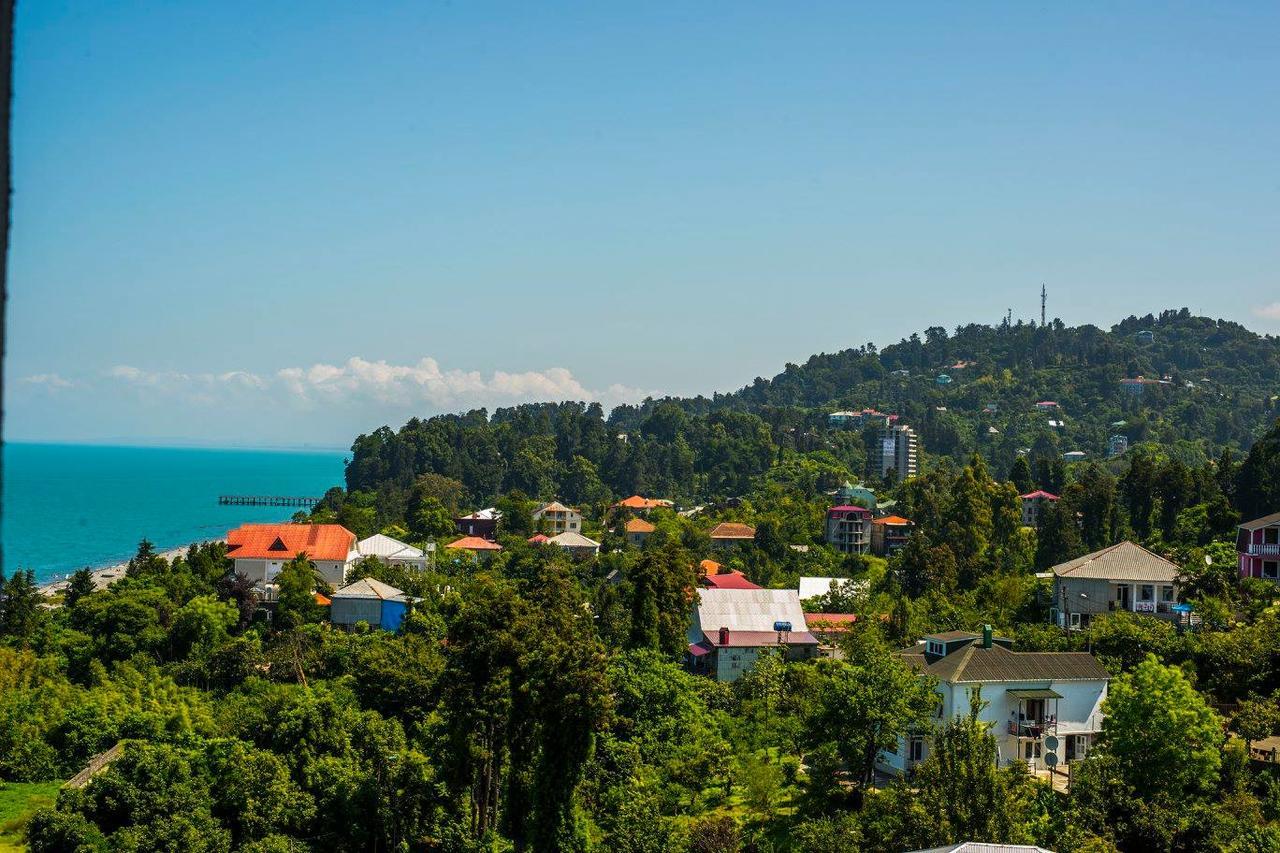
{"type": "Point", "coordinates": [1051, 759]}
{"type": "Point", "coordinates": [1050, 742]}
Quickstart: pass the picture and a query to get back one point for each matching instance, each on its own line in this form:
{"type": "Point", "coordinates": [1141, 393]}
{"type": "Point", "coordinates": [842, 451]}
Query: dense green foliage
{"type": "Point", "coordinates": [538, 702]}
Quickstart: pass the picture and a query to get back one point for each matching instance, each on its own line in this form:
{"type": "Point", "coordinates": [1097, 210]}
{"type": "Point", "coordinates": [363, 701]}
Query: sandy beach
{"type": "Point", "coordinates": [104, 577]}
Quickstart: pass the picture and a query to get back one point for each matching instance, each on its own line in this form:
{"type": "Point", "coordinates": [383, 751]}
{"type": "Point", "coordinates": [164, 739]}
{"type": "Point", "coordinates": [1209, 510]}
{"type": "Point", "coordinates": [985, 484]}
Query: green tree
{"type": "Point", "coordinates": [20, 611]}
{"type": "Point", "coordinates": [296, 603]}
{"type": "Point", "coordinates": [80, 585]}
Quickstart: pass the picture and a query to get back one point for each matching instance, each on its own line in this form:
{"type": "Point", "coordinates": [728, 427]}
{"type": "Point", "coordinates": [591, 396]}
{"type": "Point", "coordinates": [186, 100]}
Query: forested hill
{"type": "Point", "coordinates": [1216, 386]}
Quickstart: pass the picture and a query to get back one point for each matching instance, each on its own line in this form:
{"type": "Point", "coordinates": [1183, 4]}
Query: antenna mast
{"type": "Point", "coordinates": [1043, 295]}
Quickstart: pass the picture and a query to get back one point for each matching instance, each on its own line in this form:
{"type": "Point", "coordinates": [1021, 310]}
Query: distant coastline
{"type": "Point", "coordinates": [104, 576]}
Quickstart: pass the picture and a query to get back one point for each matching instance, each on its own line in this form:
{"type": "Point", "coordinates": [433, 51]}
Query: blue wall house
{"type": "Point", "coordinates": [371, 601]}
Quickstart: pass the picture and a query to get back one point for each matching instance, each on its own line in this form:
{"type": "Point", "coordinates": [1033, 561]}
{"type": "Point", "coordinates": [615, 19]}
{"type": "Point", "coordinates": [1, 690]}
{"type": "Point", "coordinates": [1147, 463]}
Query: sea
{"type": "Point", "coordinates": [68, 506]}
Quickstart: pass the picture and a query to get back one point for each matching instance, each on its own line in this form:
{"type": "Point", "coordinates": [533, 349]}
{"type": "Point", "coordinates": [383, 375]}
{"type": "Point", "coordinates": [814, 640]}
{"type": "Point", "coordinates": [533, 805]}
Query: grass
{"type": "Point", "coordinates": [18, 802]}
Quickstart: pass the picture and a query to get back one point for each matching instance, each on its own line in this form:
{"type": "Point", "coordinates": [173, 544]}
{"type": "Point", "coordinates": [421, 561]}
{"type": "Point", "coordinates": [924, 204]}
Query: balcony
{"type": "Point", "coordinates": [1033, 728]}
{"type": "Point", "coordinates": [1264, 549]}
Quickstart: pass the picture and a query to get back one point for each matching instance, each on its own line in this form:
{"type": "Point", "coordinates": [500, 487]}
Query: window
{"type": "Point", "coordinates": [1271, 535]}
{"type": "Point", "coordinates": [935, 648]}
{"type": "Point", "coordinates": [1075, 620]}
{"type": "Point", "coordinates": [1146, 592]}
{"type": "Point", "coordinates": [917, 749]}
{"type": "Point", "coordinates": [1271, 570]}
{"type": "Point", "coordinates": [1166, 594]}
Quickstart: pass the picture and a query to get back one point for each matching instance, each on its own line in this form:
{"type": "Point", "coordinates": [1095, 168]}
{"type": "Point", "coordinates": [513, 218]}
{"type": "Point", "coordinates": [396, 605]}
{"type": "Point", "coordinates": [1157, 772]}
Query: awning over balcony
{"type": "Point", "coordinates": [1041, 693]}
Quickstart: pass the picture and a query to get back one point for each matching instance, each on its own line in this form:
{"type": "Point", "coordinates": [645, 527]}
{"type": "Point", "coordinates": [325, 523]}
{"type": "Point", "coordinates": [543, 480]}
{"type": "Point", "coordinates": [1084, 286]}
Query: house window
{"type": "Point", "coordinates": [1271, 570]}
{"type": "Point", "coordinates": [1075, 620]}
{"type": "Point", "coordinates": [936, 648]}
{"type": "Point", "coordinates": [1166, 594]}
{"type": "Point", "coordinates": [1271, 535]}
{"type": "Point", "coordinates": [1146, 592]}
{"type": "Point", "coordinates": [917, 749]}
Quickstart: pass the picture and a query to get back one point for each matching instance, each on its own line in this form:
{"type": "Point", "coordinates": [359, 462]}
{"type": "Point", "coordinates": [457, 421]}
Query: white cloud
{"type": "Point", "coordinates": [48, 380]}
{"type": "Point", "coordinates": [1269, 312]}
{"type": "Point", "coordinates": [359, 382]}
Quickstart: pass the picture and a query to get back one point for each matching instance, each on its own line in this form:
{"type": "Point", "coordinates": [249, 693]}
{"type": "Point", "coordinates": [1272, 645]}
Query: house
{"type": "Point", "coordinates": [1258, 548]}
{"type": "Point", "coordinates": [859, 494]}
{"type": "Point", "coordinates": [1074, 456]}
{"type": "Point", "coordinates": [730, 628]}
{"type": "Point", "coordinates": [1046, 405]}
{"type": "Point", "coordinates": [812, 587]}
{"type": "Point", "coordinates": [897, 450]}
{"type": "Point", "coordinates": [641, 505]}
{"type": "Point", "coordinates": [1145, 336]}
{"type": "Point", "coordinates": [538, 539]}
{"type": "Point", "coordinates": [370, 601]}
{"type": "Point", "coordinates": [712, 574]}
{"type": "Point", "coordinates": [575, 544]}
{"type": "Point", "coordinates": [890, 534]}
{"type": "Point", "coordinates": [990, 409]}
{"type": "Point", "coordinates": [1033, 504]}
{"type": "Point", "coordinates": [559, 518]}
{"type": "Point", "coordinates": [1139, 384]}
{"type": "Point", "coordinates": [482, 523]}
{"type": "Point", "coordinates": [479, 549]}
{"type": "Point", "coordinates": [849, 529]}
{"type": "Point", "coordinates": [1123, 577]}
{"type": "Point", "coordinates": [857, 420]}
{"type": "Point", "coordinates": [395, 552]}
{"type": "Point", "coordinates": [637, 530]}
{"type": "Point", "coordinates": [1117, 445]}
{"type": "Point", "coordinates": [943, 379]}
{"type": "Point", "coordinates": [727, 534]}
{"type": "Point", "coordinates": [261, 550]}
{"type": "Point", "coordinates": [1038, 704]}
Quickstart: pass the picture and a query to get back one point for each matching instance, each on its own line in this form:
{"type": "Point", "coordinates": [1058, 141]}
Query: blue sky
{"type": "Point", "coordinates": [286, 223]}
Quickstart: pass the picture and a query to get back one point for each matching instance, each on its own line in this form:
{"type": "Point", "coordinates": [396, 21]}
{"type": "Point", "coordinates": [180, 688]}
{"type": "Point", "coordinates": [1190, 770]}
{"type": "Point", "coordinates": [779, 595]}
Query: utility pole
{"type": "Point", "coordinates": [1043, 295]}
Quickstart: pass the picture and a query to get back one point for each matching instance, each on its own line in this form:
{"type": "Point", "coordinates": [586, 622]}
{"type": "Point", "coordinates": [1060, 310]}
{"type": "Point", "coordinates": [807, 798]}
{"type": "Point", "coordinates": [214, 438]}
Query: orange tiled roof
{"type": "Point", "coordinates": [639, 525]}
{"type": "Point", "coordinates": [286, 541]}
{"type": "Point", "coordinates": [637, 502]}
{"type": "Point", "coordinates": [733, 530]}
{"type": "Point", "coordinates": [474, 543]}
{"type": "Point", "coordinates": [893, 519]}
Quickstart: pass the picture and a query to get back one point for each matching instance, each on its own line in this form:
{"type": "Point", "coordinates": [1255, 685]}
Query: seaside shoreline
{"type": "Point", "coordinates": [104, 576]}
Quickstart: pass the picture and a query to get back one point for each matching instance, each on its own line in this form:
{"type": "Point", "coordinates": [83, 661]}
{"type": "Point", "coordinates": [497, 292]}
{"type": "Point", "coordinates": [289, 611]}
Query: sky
{"type": "Point", "coordinates": [284, 224]}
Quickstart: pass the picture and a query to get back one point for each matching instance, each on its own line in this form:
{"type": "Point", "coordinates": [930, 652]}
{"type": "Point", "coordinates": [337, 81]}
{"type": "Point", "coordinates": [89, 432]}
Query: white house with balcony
{"type": "Point", "coordinates": [1124, 577]}
{"type": "Point", "coordinates": [1258, 548]}
{"type": "Point", "coordinates": [1044, 708]}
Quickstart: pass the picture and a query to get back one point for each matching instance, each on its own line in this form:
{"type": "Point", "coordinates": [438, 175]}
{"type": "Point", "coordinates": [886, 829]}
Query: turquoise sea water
{"type": "Point", "coordinates": [70, 506]}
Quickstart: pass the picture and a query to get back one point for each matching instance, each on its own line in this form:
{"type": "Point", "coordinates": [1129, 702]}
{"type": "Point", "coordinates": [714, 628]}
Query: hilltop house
{"type": "Point", "coordinates": [482, 523]}
{"type": "Point", "coordinates": [860, 494]}
{"type": "Point", "coordinates": [849, 529]}
{"type": "Point", "coordinates": [731, 627]}
{"type": "Point", "coordinates": [641, 505]}
{"type": "Point", "coordinates": [1037, 703]}
{"type": "Point", "coordinates": [637, 531]}
{"type": "Point", "coordinates": [1123, 577]}
{"type": "Point", "coordinates": [395, 552]}
{"type": "Point", "coordinates": [1033, 504]}
{"type": "Point", "coordinates": [727, 534]}
{"type": "Point", "coordinates": [260, 551]}
{"type": "Point", "coordinates": [370, 601]}
{"type": "Point", "coordinates": [559, 518]}
{"type": "Point", "coordinates": [890, 534]}
{"type": "Point", "coordinates": [575, 544]}
{"type": "Point", "coordinates": [1258, 548]}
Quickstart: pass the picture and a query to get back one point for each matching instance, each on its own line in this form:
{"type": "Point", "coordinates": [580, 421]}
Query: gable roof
{"type": "Point", "coordinates": [286, 541]}
{"type": "Point", "coordinates": [1125, 561]}
{"type": "Point", "coordinates": [474, 543]}
{"type": "Point", "coordinates": [369, 588]}
{"type": "Point", "coordinates": [381, 545]}
{"type": "Point", "coordinates": [489, 514]}
{"type": "Point", "coordinates": [749, 609]}
{"type": "Point", "coordinates": [1265, 521]}
{"type": "Point", "coordinates": [637, 502]}
{"type": "Point", "coordinates": [639, 525]}
{"type": "Point", "coordinates": [732, 530]}
{"type": "Point", "coordinates": [894, 521]}
{"type": "Point", "coordinates": [983, 847]}
{"type": "Point", "coordinates": [538, 539]}
{"type": "Point", "coordinates": [732, 579]}
{"type": "Point", "coordinates": [1039, 493]}
{"type": "Point", "coordinates": [573, 539]}
{"type": "Point", "coordinates": [974, 664]}
{"type": "Point", "coordinates": [554, 506]}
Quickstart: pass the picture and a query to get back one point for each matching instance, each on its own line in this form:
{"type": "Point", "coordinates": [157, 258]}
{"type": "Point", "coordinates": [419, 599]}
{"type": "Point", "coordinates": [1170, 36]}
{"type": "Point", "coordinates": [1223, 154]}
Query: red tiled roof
{"type": "Point", "coordinates": [639, 525]}
{"type": "Point", "coordinates": [894, 520]}
{"type": "Point", "coordinates": [733, 530]}
{"type": "Point", "coordinates": [474, 543]}
{"type": "Point", "coordinates": [286, 541]}
{"type": "Point", "coordinates": [849, 508]}
{"type": "Point", "coordinates": [637, 502]}
{"type": "Point", "coordinates": [729, 580]}
{"type": "Point", "coordinates": [1039, 493]}
{"type": "Point", "coordinates": [535, 539]}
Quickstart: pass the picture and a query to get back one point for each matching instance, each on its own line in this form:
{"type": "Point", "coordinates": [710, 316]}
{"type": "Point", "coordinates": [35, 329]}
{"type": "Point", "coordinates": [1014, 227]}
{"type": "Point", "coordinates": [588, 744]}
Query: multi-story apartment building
{"type": "Point", "coordinates": [849, 529]}
{"type": "Point", "coordinates": [898, 449]}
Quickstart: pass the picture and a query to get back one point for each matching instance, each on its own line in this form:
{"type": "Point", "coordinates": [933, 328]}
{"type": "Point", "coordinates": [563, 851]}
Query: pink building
{"type": "Point", "coordinates": [1033, 504]}
{"type": "Point", "coordinates": [1258, 547]}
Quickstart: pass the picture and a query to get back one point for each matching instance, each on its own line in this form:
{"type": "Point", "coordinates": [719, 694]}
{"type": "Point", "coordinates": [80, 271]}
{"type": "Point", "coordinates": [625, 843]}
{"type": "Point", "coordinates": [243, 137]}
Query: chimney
{"type": "Point", "coordinates": [724, 636]}
{"type": "Point", "coordinates": [986, 636]}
